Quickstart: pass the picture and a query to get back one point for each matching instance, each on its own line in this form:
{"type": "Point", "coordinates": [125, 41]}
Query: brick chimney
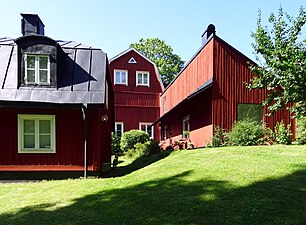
{"type": "Point", "coordinates": [211, 30]}
{"type": "Point", "coordinates": [31, 25]}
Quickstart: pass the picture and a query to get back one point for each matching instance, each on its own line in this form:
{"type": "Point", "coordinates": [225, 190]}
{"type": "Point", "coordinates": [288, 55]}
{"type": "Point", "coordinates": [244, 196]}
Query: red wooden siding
{"type": "Point", "coordinates": [199, 71]}
{"type": "Point", "coordinates": [69, 140]}
{"type": "Point", "coordinates": [232, 73]}
{"type": "Point", "coordinates": [135, 104]}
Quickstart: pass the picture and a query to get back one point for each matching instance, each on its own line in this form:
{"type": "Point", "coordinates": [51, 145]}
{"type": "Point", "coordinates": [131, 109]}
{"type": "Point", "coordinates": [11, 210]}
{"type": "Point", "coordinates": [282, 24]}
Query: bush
{"type": "Point", "coordinates": [247, 132]}
{"type": "Point", "coordinates": [301, 131]}
{"type": "Point", "coordinates": [220, 138]}
{"type": "Point", "coordinates": [140, 149]}
{"type": "Point", "coordinates": [282, 134]}
{"type": "Point", "coordinates": [116, 144]}
{"type": "Point", "coordinates": [132, 137]}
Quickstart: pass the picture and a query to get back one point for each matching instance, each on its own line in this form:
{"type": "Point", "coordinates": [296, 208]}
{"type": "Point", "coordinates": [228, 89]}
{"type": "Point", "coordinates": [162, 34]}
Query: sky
{"type": "Point", "coordinates": [113, 25]}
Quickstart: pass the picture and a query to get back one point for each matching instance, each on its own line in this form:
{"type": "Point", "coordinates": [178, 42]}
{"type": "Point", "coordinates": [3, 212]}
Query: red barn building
{"type": "Point", "coordinates": [211, 91]}
{"type": "Point", "coordinates": [137, 87]}
{"type": "Point", "coordinates": [56, 104]}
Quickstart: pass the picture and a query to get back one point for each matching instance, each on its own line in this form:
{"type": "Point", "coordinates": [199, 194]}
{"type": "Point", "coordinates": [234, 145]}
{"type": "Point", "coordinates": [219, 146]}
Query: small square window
{"type": "Point", "coordinates": [142, 78]}
{"type": "Point", "coordinates": [121, 77]}
{"type": "Point", "coordinates": [37, 69]}
{"type": "Point", "coordinates": [250, 111]}
{"type": "Point", "coordinates": [36, 133]}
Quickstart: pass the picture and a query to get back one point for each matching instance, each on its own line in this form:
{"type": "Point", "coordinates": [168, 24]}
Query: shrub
{"type": "Point", "coordinates": [282, 134]}
{"type": "Point", "coordinates": [219, 138]}
{"type": "Point", "coordinates": [132, 137]}
{"type": "Point", "coordinates": [140, 149]}
{"type": "Point", "coordinates": [301, 130]}
{"type": "Point", "coordinates": [246, 133]}
{"type": "Point", "coordinates": [116, 144]}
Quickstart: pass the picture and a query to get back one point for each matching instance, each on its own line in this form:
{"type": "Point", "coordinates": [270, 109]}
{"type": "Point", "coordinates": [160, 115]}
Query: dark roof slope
{"type": "Point", "coordinates": [81, 80]}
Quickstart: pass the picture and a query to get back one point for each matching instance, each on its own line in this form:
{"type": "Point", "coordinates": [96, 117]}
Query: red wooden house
{"type": "Point", "coordinates": [56, 104]}
{"type": "Point", "coordinates": [211, 91]}
{"type": "Point", "coordinates": [137, 87]}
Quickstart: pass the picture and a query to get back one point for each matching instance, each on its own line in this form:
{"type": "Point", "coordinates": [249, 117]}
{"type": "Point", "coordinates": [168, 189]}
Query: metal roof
{"type": "Point", "coordinates": [82, 79]}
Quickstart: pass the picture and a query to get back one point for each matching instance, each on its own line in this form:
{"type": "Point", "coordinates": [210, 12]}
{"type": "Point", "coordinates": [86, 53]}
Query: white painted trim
{"type": "Point", "coordinates": [36, 118]}
{"type": "Point", "coordinates": [143, 72]}
{"type": "Point", "coordinates": [186, 118]}
{"type": "Point", "coordinates": [122, 127]}
{"type": "Point", "coordinates": [132, 60]}
{"type": "Point", "coordinates": [147, 124]}
{"type": "Point", "coordinates": [127, 77]}
{"type": "Point", "coordinates": [37, 69]}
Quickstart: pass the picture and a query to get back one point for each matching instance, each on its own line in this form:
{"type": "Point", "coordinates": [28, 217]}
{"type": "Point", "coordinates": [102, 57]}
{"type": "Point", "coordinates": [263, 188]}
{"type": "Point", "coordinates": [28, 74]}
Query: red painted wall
{"type": "Point", "coordinates": [69, 138]}
{"type": "Point", "coordinates": [134, 104]}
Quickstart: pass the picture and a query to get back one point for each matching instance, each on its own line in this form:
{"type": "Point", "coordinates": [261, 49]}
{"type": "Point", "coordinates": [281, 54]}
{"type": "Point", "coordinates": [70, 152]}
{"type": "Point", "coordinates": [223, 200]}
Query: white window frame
{"type": "Point", "coordinates": [141, 73]}
{"type": "Point", "coordinates": [126, 78]}
{"type": "Point", "coordinates": [36, 118]}
{"type": "Point", "coordinates": [184, 128]}
{"type": "Point", "coordinates": [122, 127]}
{"type": "Point", "coordinates": [147, 125]}
{"type": "Point", "coordinates": [37, 69]}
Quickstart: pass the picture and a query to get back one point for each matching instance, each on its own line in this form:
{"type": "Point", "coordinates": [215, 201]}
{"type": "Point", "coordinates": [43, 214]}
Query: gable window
{"type": "Point", "coordinates": [119, 128]}
{"type": "Point", "coordinates": [121, 77]}
{"type": "Point", "coordinates": [250, 111]}
{"type": "Point", "coordinates": [37, 69]}
{"type": "Point", "coordinates": [147, 128]}
{"type": "Point", "coordinates": [142, 78]}
{"type": "Point", "coordinates": [186, 127]}
{"type": "Point", "coordinates": [36, 133]}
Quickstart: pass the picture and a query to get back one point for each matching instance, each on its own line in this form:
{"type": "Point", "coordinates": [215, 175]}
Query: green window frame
{"type": "Point", "coordinates": [37, 69]}
{"type": "Point", "coordinates": [36, 133]}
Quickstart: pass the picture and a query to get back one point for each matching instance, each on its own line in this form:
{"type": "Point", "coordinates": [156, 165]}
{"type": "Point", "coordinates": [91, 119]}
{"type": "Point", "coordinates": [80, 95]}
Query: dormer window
{"type": "Point", "coordinates": [37, 69]}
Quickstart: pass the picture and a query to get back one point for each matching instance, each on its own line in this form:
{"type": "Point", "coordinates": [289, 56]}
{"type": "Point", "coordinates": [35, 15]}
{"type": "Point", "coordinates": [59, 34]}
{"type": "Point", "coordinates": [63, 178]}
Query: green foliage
{"type": "Point", "coordinates": [281, 51]}
{"type": "Point", "coordinates": [132, 137]}
{"type": "Point", "coordinates": [301, 130]}
{"type": "Point", "coordinates": [220, 137]}
{"type": "Point", "coordinates": [141, 149]}
{"type": "Point", "coordinates": [116, 144]}
{"type": "Point", "coordinates": [282, 134]}
{"type": "Point", "coordinates": [168, 63]}
{"type": "Point", "coordinates": [247, 132]}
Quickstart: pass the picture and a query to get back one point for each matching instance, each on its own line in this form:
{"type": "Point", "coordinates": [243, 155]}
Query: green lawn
{"type": "Point", "coordinates": [233, 185]}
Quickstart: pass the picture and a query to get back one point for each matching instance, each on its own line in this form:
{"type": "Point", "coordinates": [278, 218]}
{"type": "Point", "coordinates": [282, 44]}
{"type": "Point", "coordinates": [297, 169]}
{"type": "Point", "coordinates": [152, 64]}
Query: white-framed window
{"type": "Point", "coordinates": [185, 127]}
{"type": "Point", "coordinates": [36, 133]}
{"type": "Point", "coordinates": [147, 128]}
{"type": "Point", "coordinates": [165, 132]}
{"type": "Point", "coordinates": [37, 69]}
{"type": "Point", "coordinates": [119, 128]}
{"type": "Point", "coordinates": [142, 78]}
{"type": "Point", "coordinates": [121, 77]}
{"type": "Point", "coordinates": [165, 104]}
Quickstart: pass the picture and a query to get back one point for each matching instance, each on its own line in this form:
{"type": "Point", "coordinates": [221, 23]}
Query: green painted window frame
{"type": "Point", "coordinates": [36, 133]}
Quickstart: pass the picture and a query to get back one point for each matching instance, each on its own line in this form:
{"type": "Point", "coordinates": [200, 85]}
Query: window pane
{"type": "Point", "coordinates": [31, 76]}
{"type": "Point", "coordinates": [29, 126]}
{"type": "Point", "coordinates": [29, 141]}
{"type": "Point", "coordinates": [44, 126]}
{"type": "Point", "coordinates": [250, 111]}
{"type": "Point", "coordinates": [139, 78]}
{"type": "Point", "coordinates": [123, 77]}
{"type": "Point", "coordinates": [43, 76]}
{"type": "Point", "coordinates": [117, 77]}
{"type": "Point", "coordinates": [145, 78]}
{"type": "Point", "coordinates": [44, 141]}
{"type": "Point", "coordinates": [31, 62]}
{"type": "Point", "coordinates": [43, 62]}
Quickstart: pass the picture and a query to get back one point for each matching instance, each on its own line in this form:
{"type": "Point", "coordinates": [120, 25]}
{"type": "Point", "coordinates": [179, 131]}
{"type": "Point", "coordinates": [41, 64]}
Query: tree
{"type": "Point", "coordinates": [168, 63]}
{"type": "Point", "coordinates": [282, 55]}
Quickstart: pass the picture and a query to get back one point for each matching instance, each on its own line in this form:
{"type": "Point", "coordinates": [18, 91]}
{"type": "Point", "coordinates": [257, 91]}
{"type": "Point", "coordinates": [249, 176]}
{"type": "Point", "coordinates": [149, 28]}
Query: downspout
{"type": "Point", "coordinates": [85, 140]}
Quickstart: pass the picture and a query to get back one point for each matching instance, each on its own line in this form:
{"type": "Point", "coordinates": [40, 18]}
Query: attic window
{"type": "Point", "coordinates": [132, 60]}
{"type": "Point", "coordinates": [37, 69]}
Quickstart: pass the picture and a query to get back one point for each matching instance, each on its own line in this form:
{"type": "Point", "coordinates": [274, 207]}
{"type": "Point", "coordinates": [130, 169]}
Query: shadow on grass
{"type": "Point", "coordinates": [137, 164]}
{"type": "Point", "coordinates": [175, 201]}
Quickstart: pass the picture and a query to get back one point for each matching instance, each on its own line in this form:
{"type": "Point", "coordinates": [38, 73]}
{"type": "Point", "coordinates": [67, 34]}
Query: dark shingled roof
{"type": "Point", "coordinates": [81, 81]}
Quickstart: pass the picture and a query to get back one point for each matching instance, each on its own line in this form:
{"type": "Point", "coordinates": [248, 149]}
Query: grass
{"type": "Point", "coordinates": [232, 185]}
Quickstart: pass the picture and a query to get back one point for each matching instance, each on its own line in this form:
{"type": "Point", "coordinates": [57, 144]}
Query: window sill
{"type": "Point", "coordinates": [23, 151]}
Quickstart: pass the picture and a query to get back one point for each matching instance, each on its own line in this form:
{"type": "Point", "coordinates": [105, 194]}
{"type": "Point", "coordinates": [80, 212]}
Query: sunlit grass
{"type": "Point", "coordinates": [232, 185]}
